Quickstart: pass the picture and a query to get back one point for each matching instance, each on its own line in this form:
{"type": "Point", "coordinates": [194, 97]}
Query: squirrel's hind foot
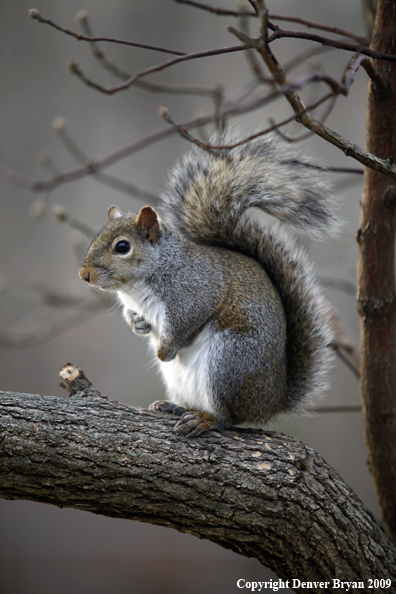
{"type": "Point", "coordinates": [194, 423]}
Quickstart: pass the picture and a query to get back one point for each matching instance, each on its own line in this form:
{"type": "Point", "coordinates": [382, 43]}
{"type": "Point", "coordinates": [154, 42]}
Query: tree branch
{"type": "Point", "coordinates": [385, 166]}
{"type": "Point", "coordinates": [259, 493]}
{"type": "Point", "coordinates": [34, 14]}
{"type": "Point", "coordinates": [278, 17]}
{"type": "Point", "coordinates": [75, 69]}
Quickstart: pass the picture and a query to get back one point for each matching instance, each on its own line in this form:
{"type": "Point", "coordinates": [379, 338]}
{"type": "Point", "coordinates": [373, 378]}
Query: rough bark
{"type": "Point", "coordinates": [259, 493]}
{"type": "Point", "coordinates": [376, 296]}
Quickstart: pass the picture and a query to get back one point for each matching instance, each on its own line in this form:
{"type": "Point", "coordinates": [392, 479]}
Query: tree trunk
{"type": "Point", "coordinates": [376, 296]}
{"type": "Point", "coordinates": [259, 493]}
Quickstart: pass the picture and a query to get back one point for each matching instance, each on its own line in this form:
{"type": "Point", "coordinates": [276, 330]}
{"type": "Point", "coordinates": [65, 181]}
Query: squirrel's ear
{"type": "Point", "coordinates": [114, 213]}
{"type": "Point", "coordinates": [147, 222]}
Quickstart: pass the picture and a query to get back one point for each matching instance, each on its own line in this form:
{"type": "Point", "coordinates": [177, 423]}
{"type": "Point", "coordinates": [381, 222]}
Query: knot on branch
{"type": "Point", "coordinates": [74, 381]}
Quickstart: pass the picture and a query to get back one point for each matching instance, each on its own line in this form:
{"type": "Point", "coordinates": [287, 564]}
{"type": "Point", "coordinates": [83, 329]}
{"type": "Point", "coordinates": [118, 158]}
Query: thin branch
{"type": "Point", "coordinates": [384, 166]}
{"type": "Point", "coordinates": [303, 137]}
{"type": "Point", "coordinates": [209, 146]}
{"type": "Point", "coordinates": [214, 10]}
{"type": "Point", "coordinates": [59, 125]}
{"type": "Point", "coordinates": [75, 69]}
{"type": "Point", "coordinates": [44, 186]}
{"type": "Point", "coordinates": [164, 113]}
{"type": "Point", "coordinates": [82, 17]}
{"type": "Point", "coordinates": [34, 14]}
{"type": "Point", "coordinates": [312, 25]}
{"type": "Point", "coordinates": [233, 111]}
{"type": "Point", "coordinates": [348, 362]}
{"type": "Point", "coordinates": [254, 64]}
{"type": "Point", "coordinates": [47, 163]}
{"type": "Point", "coordinates": [62, 216]}
{"type": "Point", "coordinates": [338, 409]}
{"type": "Point", "coordinates": [352, 67]}
{"type": "Point", "coordinates": [349, 47]}
{"type": "Point", "coordinates": [279, 17]}
{"type": "Point", "coordinates": [297, 60]}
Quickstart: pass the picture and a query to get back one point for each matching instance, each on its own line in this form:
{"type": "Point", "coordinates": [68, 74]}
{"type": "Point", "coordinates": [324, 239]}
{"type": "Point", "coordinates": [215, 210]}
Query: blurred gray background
{"type": "Point", "coordinates": [42, 548]}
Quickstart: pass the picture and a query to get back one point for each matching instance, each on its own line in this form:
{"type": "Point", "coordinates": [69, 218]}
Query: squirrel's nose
{"type": "Point", "coordinates": [84, 274]}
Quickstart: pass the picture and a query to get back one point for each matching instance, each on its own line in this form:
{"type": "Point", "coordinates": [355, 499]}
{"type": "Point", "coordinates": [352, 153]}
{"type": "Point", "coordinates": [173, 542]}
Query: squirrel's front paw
{"type": "Point", "coordinates": [138, 324]}
{"type": "Point", "coordinates": [194, 423]}
{"type": "Point", "coordinates": [165, 352]}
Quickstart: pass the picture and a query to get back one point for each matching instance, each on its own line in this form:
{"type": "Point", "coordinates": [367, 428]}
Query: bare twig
{"type": "Point", "coordinates": [297, 60]}
{"type": "Point", "coordinates": [75, 69]}
{"type": "Point", "coordinates": [62, 216]}
{"type": "Point", "coordinates": [82, 17]}
{"type": "Point", "coordinates": [337, 409]}
{"type": "Point", "coordinates": [310, 133]}
{"type": "Point", "coordinates": [349, 47]}
{"type": "Point", "coordinates": [34, 14]}
{"type": "Point", "coordinates": [254, 64]}
{"type": "Point", "coordinates": [209, 146]}
{"type": "Point", "coordinates": [352, 67]}
{"type": "Point", "coordinates": [47, 163]}
{"type": "Point", "coordinates": [59, 125]}
{"type": "Point", "coordinates": [44, 186]}
{"type": "Point", "coordinates": [384, 166]}
{"type": "Point", "coordinates": [278, 17]}
{"type": "Point", "coordinates": [218, 11]}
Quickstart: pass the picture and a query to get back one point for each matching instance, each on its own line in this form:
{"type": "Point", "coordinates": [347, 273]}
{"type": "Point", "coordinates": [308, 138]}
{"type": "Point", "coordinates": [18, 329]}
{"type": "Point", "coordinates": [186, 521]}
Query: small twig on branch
{"type": "Point", "coordinates": [342, 408]}
{"type": "Point", "coordinates": [303, 56]}
{"type": "Point", "coordinates": [353, 66]}
{"type": "Point", "coordinates": [34, 14]}
{"type": "Point", "coordinates": [303, 137]}
{"type": "Point", "coordinates": [75, 69]}
{"type": "Point", "coordinates": [59, 125]}
{"type": "Point", "coordinates": [232, 111]}
{"type": "Point", "coordinates": [343, 344]}
{"type": "Point", "coordinates": [165, 115]}
{"type": "Point", "coordinates": [62, 216]}
{"type": "Point", "coordinates": [209, 146]}
{"type": "Point", "coordinates": [214, 10]}
{"type": "Point", "coordinates": [82, 17]}
{"type": "Point", "coordinates": [47, 163]}
{"type": "Point", "coordinates": [349, 47]}
{"type": "Point", "coordinates": [45, 186]}
{"type": "Point", "coordinates": [254, 64]}
{"type": "Point", "coordinates": [349, 149]}
{"type": "Point", "coordinates": [279, 17]}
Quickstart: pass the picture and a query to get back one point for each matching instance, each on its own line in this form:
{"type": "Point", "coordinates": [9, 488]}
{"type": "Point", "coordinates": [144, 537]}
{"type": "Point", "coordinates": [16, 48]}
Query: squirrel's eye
{"type": "Point", "coordinates": [122, 247]}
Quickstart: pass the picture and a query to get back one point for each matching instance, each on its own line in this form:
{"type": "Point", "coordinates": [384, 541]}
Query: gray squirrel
{"type": "Point", "coordinates": [234, 314]}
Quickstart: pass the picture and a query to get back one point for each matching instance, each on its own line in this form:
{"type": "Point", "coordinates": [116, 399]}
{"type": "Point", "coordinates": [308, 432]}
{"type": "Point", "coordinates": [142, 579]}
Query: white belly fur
{"type": "Point", "coordinates": [186, 377]}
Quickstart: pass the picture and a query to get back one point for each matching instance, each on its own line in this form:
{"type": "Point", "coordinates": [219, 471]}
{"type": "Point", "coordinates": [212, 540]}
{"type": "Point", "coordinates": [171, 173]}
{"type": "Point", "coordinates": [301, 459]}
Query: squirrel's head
{"type": "Point", "coordinates": [122, 248]}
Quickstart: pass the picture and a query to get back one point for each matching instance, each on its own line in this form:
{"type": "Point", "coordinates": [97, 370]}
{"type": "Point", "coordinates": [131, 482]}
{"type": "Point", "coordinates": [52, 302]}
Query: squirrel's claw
{"type": "Point", "coordinates": [194, 423]}
{"type": "Point", "coordinates": [169, 407]}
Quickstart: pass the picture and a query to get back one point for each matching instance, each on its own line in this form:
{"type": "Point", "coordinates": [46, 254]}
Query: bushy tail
{"type": "Point", "coordinates": [207, 198]}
